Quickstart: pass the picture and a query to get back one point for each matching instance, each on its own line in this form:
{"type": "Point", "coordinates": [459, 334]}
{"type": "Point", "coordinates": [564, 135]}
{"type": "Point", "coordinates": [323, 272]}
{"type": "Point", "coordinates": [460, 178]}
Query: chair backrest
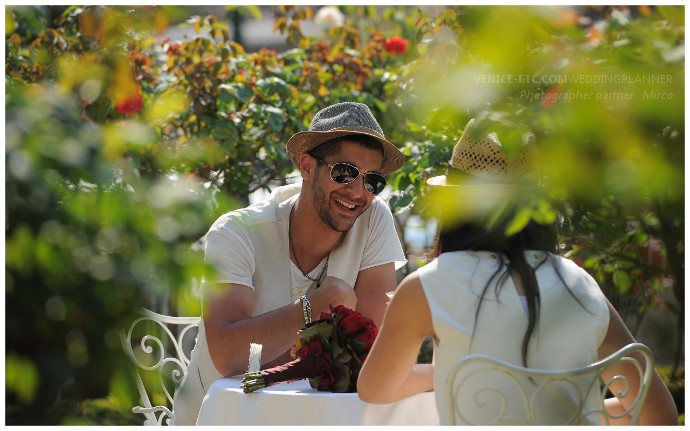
{"type": "Point", "coordinates": [159, 347]}
{"type": "Point", "coordinates": [499, 393]}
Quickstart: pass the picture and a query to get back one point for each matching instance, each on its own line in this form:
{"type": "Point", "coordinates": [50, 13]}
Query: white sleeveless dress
{"type": "Point", "coordinates": [567, 334]}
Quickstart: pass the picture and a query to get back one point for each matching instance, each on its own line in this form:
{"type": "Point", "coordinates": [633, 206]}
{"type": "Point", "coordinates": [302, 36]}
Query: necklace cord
{"type": "Point", "coordinates": [292, 248]}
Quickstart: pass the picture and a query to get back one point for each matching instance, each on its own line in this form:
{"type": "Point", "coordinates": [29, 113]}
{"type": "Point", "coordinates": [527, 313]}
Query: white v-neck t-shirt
{"type": "Point", "coordinates": [250, 247]}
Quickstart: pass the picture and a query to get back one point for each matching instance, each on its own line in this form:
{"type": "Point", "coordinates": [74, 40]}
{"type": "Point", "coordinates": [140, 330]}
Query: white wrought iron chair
{"type": "Point", "coordinates": [499, 393]}
{"type": "Point", "coordinates": [159, 351]}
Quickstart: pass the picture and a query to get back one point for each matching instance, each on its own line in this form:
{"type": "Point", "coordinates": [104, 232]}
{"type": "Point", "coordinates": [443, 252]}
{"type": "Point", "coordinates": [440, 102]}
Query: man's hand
{"type": "Point", "coordinates": [333, 291]}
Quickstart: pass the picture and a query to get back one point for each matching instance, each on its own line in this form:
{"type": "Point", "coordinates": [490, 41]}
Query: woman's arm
{"type": "Point", "coordinates": [659, 408]}
{"type": "Point", "coordinates": [390, 372]}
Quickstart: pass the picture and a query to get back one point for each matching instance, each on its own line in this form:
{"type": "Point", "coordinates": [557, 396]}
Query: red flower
{"type": "Point", "coordinates": [352, 324]}
{"type": "Point", "coordinates": [366, 338]}
{"type": "Point", "coordinates": [329, 353]}
{"type": "Point", "coordinates": [551, 96]}
{"type": "Point", "coordinates": [130, 104]}
{"type": "Point", "coordinates": [312, 348]}
{"type": "Point", "coordinates": [323, 366]}
{"type": "Point", "coordinates": [396, 44]}
{"type": "Point", "coordinates": [174, 49]}
{"type": "Point", "coordinates": [341, 310]}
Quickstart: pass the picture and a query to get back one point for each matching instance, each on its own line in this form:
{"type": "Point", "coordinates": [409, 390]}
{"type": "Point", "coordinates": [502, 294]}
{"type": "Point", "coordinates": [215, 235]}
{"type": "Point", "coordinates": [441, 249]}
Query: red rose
{"type": "Point", "coordinates": [323, 366]}
{"type": "Point", "coordinates": [369, 336]}
{"type": "Point", "coordinates": [130, 104]}
{"type": "Point", "coordinates": [396, 44]}
{"type": "Point", "coordinates": [340, 310]}
{"type": "Point", "coordinates": [362, 342]}
{"type": "Point", "coordinates": [312, 348]}
{"type": "Point", "coordinates": [353, 323]}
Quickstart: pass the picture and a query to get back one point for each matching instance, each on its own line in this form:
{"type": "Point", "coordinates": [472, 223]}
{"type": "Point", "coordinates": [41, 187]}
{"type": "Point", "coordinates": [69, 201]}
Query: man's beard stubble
{"type": "Point", "coordinates": [321, 204]}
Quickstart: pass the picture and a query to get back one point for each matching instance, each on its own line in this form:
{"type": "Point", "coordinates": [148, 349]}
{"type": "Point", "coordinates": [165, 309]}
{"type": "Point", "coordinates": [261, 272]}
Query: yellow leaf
{"type": "Point", "coordinates": [281, 24]}
{"type": "Point", "coordinates": [323, 91]}
{"type": "Point", "coordinates": [113, 144]}
{"type": "Point", "coordinates": [161, 21]}
{"type": "Point", "coordinates": [167, 105]}
{"type": "Point", "coordinates": [237, 48]}
{"type": "Point", "coordinates": [9, 22]}
{"type": "Point", "coordinates": [16, 39]}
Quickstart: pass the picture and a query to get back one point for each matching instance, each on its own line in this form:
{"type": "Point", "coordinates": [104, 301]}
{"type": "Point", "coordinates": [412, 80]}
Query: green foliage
{"type": "Point", "coordinates": [122, 150]}
{"type": "Point", "coordinates": [21, 377]}
{"type": "Point", "coordinates": [602, 89]}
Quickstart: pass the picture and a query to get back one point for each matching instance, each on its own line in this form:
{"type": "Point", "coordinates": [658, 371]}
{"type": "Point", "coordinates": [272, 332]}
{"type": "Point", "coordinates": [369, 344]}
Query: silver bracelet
{"type": "Point", "coordinates": [306, 309]}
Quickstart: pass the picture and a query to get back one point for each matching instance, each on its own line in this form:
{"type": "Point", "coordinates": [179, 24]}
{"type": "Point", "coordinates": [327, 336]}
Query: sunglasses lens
{"type": "Point", "coordinates": [374, 183]}
{"type": "Point", "coordinates": [344, 174]}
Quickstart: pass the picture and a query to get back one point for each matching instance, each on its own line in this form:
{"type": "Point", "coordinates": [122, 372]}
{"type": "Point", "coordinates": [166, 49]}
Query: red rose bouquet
{"type": "Point", "coordinates": [329, 352]}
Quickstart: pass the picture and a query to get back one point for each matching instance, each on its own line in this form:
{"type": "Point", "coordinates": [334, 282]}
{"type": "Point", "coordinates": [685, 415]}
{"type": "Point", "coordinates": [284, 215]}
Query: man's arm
{"type": "Point", "coordinates": [370, 289]}
{"type": "Point", "coordinates": [230, 327]}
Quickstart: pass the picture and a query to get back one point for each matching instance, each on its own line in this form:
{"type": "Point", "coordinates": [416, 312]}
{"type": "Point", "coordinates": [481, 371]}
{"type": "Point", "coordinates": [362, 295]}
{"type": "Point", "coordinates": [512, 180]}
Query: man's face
{"type": "Point", "coordinates": [339, 205]}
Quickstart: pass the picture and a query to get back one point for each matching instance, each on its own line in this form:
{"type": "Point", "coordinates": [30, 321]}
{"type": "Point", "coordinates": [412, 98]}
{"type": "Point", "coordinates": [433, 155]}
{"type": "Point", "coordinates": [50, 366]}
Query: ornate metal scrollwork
{"type": "Point", "coordinates": [159, 350]}
{"type": "Point", "coordinates": [479, 390]}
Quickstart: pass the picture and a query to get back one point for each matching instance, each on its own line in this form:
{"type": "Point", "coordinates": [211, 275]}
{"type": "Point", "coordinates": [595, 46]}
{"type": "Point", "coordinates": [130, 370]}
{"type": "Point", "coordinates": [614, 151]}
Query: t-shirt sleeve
{"type": "Point", "coordinates": [382, 245]}
{"type": "Point", "coordinates": [231, 252]}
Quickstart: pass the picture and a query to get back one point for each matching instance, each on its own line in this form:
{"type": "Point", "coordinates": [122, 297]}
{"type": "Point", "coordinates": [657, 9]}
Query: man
{"type": "Point", "coordinates": [328, 241]}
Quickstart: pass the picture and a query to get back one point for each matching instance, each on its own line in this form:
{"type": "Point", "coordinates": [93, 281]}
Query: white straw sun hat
{"type": "Point", "coordinates": [481, 178]}
{"type": "Point", "coordinates": [484, 162]}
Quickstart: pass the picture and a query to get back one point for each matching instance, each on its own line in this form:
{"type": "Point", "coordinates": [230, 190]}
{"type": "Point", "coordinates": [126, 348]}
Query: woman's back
{"type": "Point", "coordinates": [568, 333]}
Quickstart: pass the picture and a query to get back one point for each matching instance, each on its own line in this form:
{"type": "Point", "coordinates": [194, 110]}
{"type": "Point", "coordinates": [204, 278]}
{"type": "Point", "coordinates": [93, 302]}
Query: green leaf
{"type": "Point", "coordinates": [623, 280]}
{"type": "Point", "coordinates": [412, 127]}
{"type": "Point", "coordinates": [322, 329]}
{"type": "Point", "coordinates": [255, 11]}
{"type": "Point", "coordinates": [275, 118]}
{"type": "Point", "coordinates": [21, 377]}
{"type": "Point", "coordinates": [519, 221]}
{"type": "Point", "coordinates": [344, 356]}
{"type": "Point", "coordinates": [401, 201]}
{"type": "Point", "coordinates": [221, 133]}
{"type": "Point", "coordinates": [226, 97]}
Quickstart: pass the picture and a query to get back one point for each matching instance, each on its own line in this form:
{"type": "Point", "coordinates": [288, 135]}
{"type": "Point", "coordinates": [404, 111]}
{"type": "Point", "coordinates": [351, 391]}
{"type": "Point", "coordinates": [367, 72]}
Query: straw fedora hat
{"type": "Point", "coordinates": [342, 119]}
{"type": "Point", "coordinates": [481, 162]}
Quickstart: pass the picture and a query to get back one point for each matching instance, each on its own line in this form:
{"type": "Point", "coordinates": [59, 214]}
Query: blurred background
{"type": "Point", "coordinates": [129, 130]}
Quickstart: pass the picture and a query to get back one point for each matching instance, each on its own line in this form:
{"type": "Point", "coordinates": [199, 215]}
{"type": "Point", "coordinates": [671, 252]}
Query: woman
{"type": "Point", "coordinates": [507, 296]}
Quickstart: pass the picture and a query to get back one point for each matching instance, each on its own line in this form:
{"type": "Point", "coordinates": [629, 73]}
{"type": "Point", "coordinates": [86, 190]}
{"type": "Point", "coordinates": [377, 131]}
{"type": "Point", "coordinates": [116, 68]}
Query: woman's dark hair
{"type": "Point", "coordinates": [471, 236]}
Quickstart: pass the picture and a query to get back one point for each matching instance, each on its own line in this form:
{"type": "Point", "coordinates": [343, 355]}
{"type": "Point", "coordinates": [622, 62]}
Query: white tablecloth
{"type": "Point", "coordinates": [297, 403]}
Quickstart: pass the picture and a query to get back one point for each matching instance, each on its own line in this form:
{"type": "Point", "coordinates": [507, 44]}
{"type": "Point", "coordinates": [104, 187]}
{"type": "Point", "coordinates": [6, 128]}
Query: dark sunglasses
{"type": "Point", "coordinates": [345, 173]}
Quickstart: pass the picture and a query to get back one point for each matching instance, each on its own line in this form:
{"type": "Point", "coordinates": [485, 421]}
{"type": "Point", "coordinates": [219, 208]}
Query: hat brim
{"type": "Point", "coordinates": [473, 200]}
{"type": "Point", "coordinates": [302, 142]}
{"type": "Point", "coordinates": [481, 190]}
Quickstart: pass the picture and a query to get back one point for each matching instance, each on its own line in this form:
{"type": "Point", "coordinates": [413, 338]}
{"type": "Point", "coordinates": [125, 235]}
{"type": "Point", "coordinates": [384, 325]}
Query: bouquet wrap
{"type": "Point", "coordinates": [329, 352]}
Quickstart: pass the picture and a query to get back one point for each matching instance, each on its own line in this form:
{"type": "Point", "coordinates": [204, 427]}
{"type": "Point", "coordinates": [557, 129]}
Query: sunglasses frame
{"type": "Point", "coordinates": [359, 172]}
